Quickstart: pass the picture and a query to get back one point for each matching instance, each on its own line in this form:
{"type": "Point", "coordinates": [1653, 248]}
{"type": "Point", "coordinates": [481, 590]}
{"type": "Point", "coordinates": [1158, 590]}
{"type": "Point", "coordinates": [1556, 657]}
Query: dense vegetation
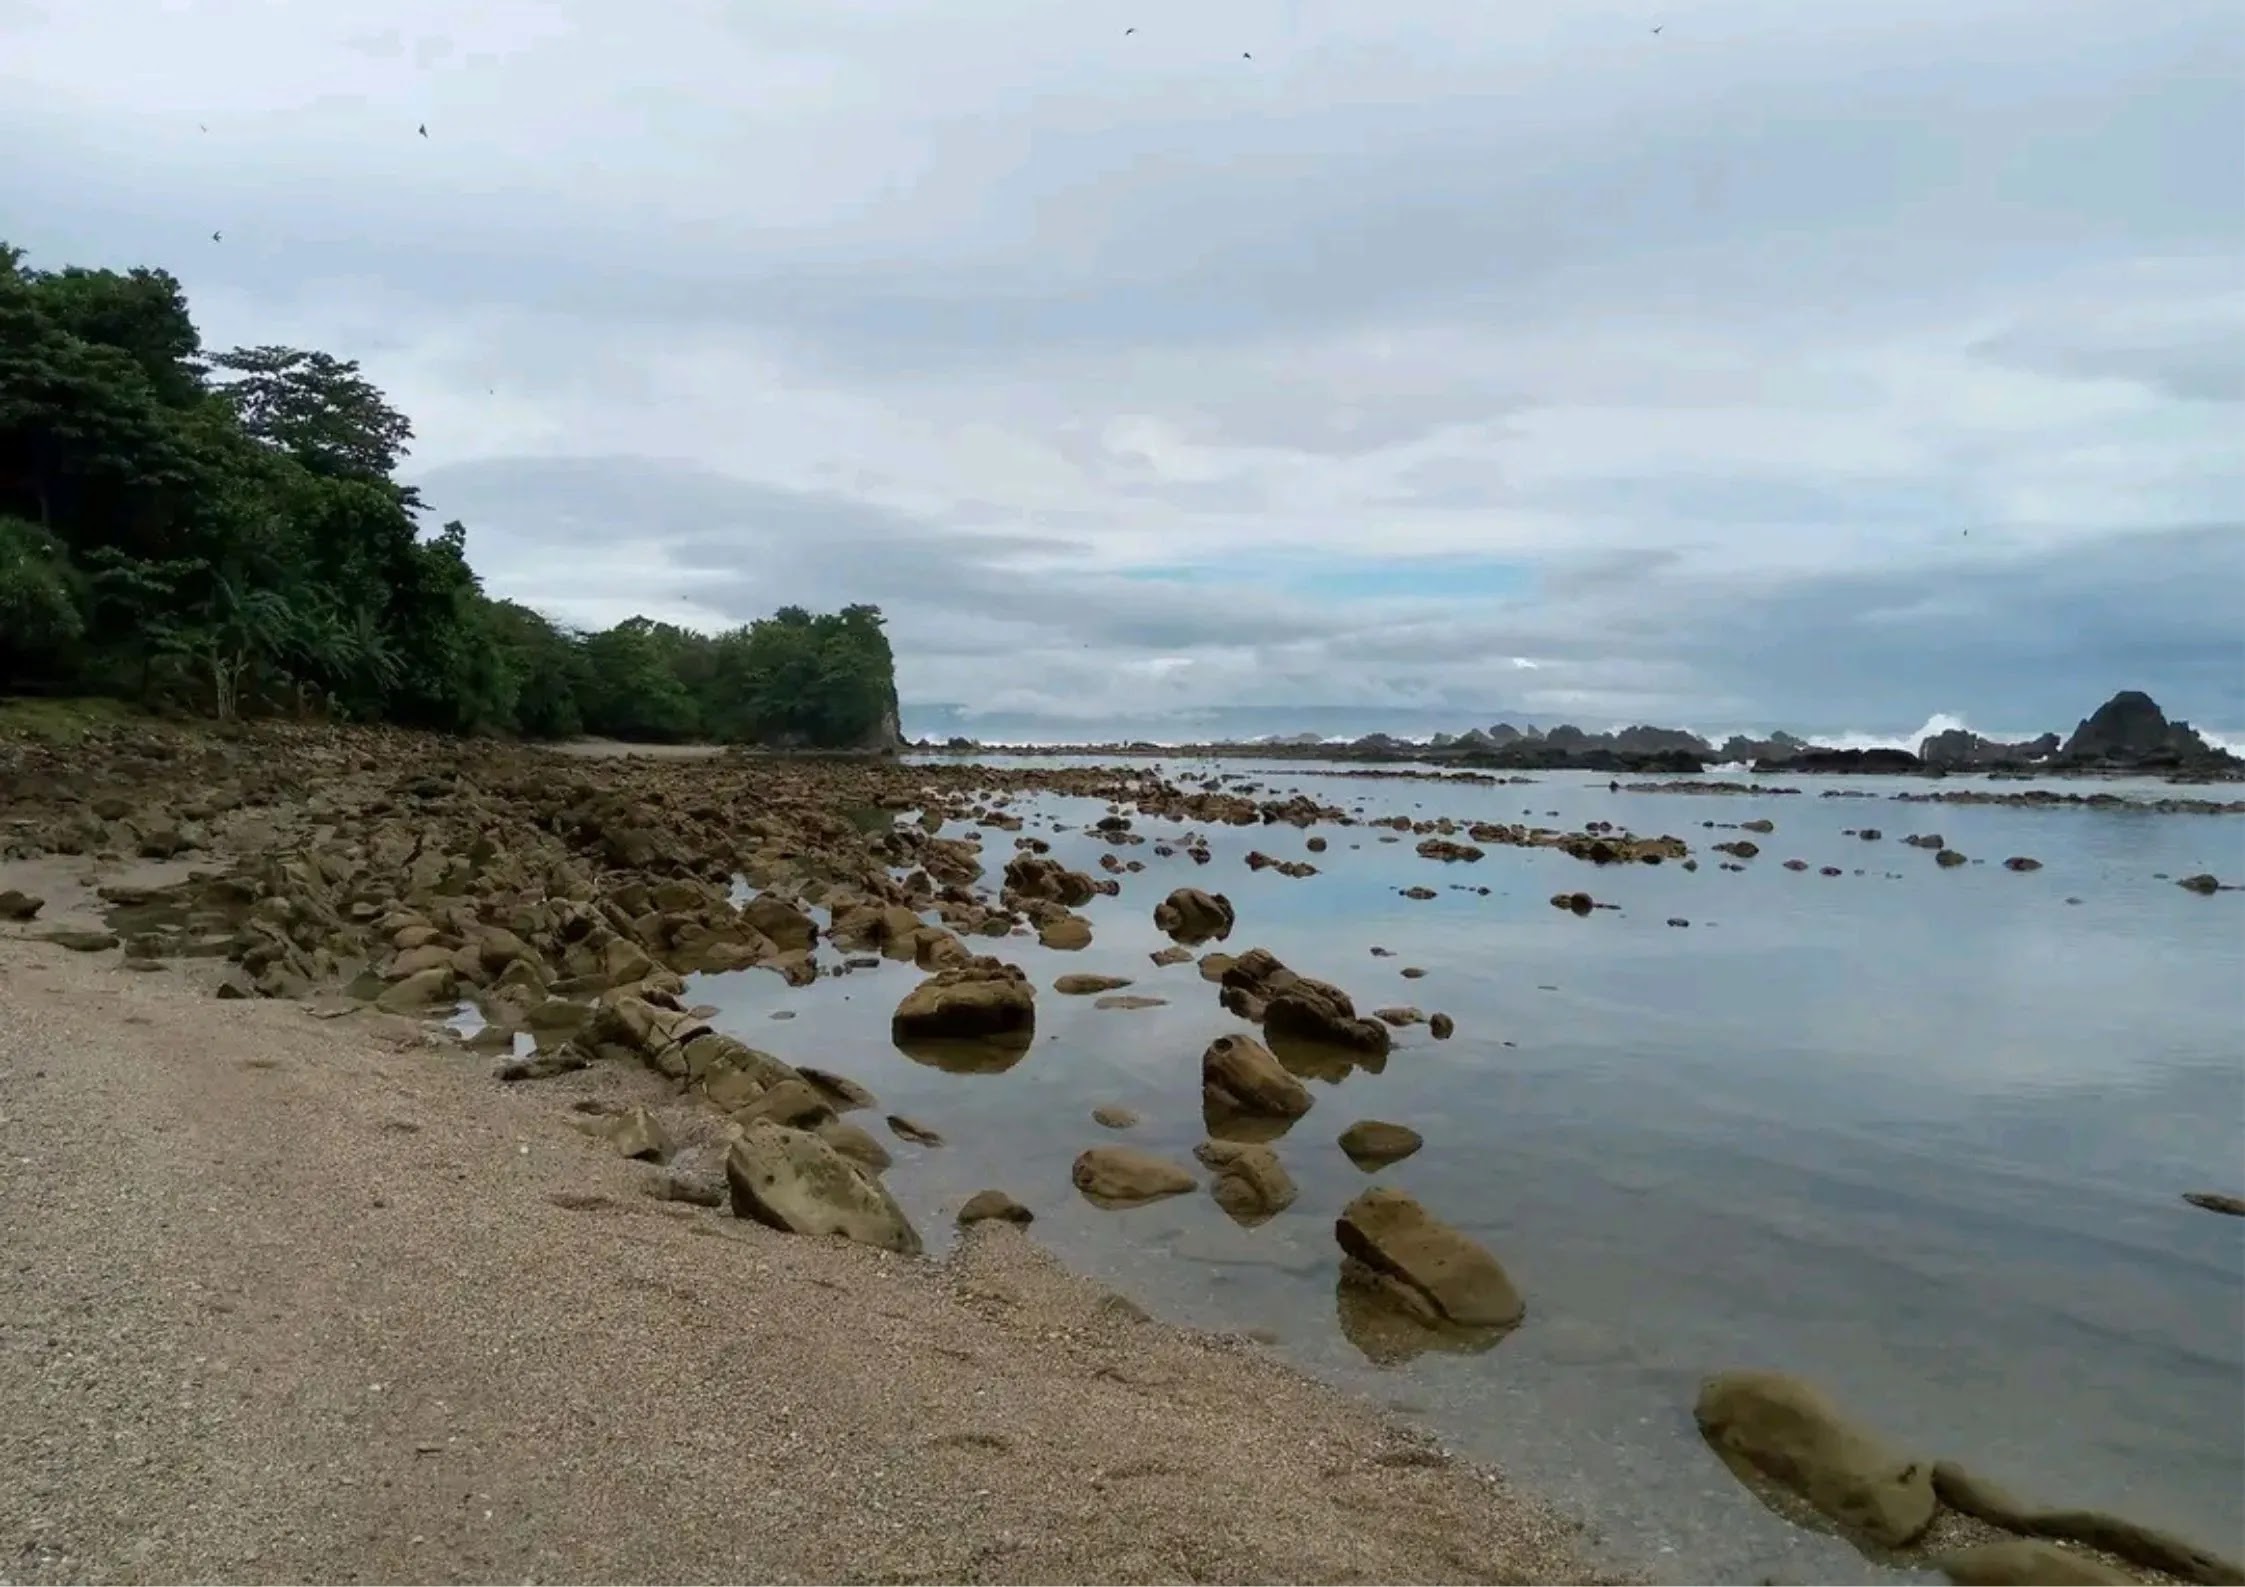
{"type": "Point", "coordinates": [227, 532]}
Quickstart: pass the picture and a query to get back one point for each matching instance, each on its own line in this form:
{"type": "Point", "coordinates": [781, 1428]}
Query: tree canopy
{"type": "Point", "coordinates": [227, 532]}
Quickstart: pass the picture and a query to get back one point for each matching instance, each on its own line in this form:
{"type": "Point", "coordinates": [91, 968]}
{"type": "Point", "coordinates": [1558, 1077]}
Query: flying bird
{"type": "Point", "coordinates": [214, 236]}
{"type": "Point", "coordinates": [1243, 55]}
{"type": "Point", "coordinates": [424, 129]}
{"type": "Point", "coordinates": [1656, 30]}
{"type": "Point", "coordinates": [1127, 32]}
{"type": "Point", "coordinates": [199, 127]}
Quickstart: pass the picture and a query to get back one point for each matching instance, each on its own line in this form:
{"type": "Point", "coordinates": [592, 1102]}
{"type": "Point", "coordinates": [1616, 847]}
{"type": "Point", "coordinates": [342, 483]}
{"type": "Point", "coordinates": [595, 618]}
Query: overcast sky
{"type": "Point", "coordinates": [1799, 364]}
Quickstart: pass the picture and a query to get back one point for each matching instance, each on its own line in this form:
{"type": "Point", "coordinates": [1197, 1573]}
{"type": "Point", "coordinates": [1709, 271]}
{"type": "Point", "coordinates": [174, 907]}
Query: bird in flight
{"type": "Point", "coordinates": [424, 129]}
{"type": "Point", "coordinates": [214, 236]}
{"type": "Point", "coordinates": [1243, 55]}
{"type": "Point", "coordinates": [1127, 32]}
{"type": "Point", "coordinates": [1656, 30]}
{"type": "Point", "coordinates": [199, 127]}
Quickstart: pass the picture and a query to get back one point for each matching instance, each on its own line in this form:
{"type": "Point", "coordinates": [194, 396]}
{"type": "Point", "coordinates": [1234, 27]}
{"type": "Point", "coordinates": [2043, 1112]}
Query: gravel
{"type": "Point", "coordinates": [302, 1299]}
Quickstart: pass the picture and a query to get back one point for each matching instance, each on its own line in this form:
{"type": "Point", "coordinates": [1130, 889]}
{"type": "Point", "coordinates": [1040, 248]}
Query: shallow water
{"type": "Point", "coordinates": [1919, 1137]}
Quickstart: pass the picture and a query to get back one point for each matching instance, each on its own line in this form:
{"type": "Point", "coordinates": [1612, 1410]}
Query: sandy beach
{"type": "Point", "coordinates": [292, 1298]}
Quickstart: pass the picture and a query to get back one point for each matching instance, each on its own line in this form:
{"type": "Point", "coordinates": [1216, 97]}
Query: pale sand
{"type": "Point", "coordinates": [298, 1300]}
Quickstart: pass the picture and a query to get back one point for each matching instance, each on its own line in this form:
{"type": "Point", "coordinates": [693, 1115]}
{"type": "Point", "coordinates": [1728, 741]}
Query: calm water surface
{"type": "Point", "coordinates": [1917, 1136]}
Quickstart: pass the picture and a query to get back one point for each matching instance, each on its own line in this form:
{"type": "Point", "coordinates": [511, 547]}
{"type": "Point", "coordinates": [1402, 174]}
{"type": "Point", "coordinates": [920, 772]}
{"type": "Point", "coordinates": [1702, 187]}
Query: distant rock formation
{"type": "Point", "coordinates": [2130, 730]}
{"type": "Point", "coordinates": [1960, 750]}
{"type": "Point", "coordinates": [1777, 747]}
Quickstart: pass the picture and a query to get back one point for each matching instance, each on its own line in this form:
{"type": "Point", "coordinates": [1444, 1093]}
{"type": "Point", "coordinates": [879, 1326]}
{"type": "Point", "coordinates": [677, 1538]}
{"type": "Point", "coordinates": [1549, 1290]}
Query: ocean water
{"type": "Point", "coordinates": [1917, 1134]}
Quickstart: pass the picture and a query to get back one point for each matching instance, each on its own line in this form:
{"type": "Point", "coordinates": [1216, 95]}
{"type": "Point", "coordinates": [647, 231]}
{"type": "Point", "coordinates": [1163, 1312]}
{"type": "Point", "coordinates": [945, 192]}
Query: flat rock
{"type": "Point", "coordinates": [1089, 985]}
{"type": "Point", "coordinates": [2022, 1562]}
{"type": "Point", "coordinates": [1789, 1433]}
{"type": "Point", "coordinates": [2215, 1201]}
{"type": "Point", "coordinates": [640, 1134]}
{"type": "Point", "coordinates": [1128, 1000]}
{"type": "Point", "coordinates": [15, 905]}
{"type": "Point", "coordinates": [1114, 1116]}
{"type": "Point", "coordinates": [792, 1180]}
{"type": "Point", "coordinates": [1375, 1143]}
{"type": "Point", "coordinates": [1446, 1275]}
{"type": "Point", "coordinates": [1125, 1176]}
{"type": "Point", "coordinates": [1065, 933]}
{"type": "Point", "coordinates": [841, 1092]}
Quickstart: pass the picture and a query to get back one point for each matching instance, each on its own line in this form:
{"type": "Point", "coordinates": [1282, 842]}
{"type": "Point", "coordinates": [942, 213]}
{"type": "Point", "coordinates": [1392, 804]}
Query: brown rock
{"type": "Point", "coordinates": [2215, 1201]}
{"type": "Point", "coordinates": [1086, 985]}
{"type": "Point", "coordinates": [985, 1205]}
{"type": "Point", "coordinates": [1124, 1176]}
{"type": "Point", "coordinates": [1192, 916]}
{"type": "Point", "coordinates": [1441, 1273]}
{"type": "Point", "coordinates": [639, 1133]}
{"type": "Point", "coordinates": [794, 1181]}
{"type": "Point", "coordinates": [2020, 1562]}
{"type": "Point", "coordinates": [908, 1130]}
{"type": "Point", "coordinates": [1251, 1184]}
{"type": "Point", "coordinates": [1240, 1075]}
{"type": "Point", "coordinates": [1792, 1435]}
{"type": "Point", "coordinates": [1374, 1144]}
{"type": "Point", "coordinates": [841, 1092]}
{"type": "Point", "coordinates": [1065, 933]}
{"type": "Point", "coordinates": [782, 921]}
{"type": "Point", "coordinates": [1114, 1116]}
{"type": "Point", "coordinates": [984, 999]}
{"type": "Point", "coordinates": [1441, 1027]}
{"type": "Point", "coordinates": [16, 905]}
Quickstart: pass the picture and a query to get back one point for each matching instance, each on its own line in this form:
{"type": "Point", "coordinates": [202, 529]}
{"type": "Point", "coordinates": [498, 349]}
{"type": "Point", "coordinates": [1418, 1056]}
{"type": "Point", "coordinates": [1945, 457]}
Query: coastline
{"type": "Point", "coordinates": [303, 1299]}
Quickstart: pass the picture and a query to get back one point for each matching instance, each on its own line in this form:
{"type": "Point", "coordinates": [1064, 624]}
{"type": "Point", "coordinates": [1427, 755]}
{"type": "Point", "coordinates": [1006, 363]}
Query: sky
{"type": "Point", "coordinates": [1282, 363]}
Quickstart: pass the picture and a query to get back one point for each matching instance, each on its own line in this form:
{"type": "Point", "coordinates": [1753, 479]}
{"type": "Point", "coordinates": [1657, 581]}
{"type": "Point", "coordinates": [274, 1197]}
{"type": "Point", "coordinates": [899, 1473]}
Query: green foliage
{"type": "Point", "coordinates": [229, 532]}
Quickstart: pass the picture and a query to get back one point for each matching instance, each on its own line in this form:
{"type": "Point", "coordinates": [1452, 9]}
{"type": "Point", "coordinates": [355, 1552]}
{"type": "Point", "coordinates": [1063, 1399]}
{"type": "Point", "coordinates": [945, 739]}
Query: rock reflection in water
{"type": "Point", "coordinates": [967, 1055]}
{"type": "Point", "coordinates": [1388, 1331]}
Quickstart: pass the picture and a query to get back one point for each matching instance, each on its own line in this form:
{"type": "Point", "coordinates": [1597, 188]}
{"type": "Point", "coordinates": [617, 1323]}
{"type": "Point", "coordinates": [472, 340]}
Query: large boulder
{"type": "Point", "coordinates": [1191, 916]}
{"type": "Point", "coordinates": [1790, 1434]}
{"type": "Point", "coordinates": [1238, 1074]}
{"type": "Point", "coordinates": [1315, 1011]}
{"type": "Point", "coordinates": [1034, 877]}
{"type": "Point", "coordinates": [1124, 1176]}
{"type": "Point", "coordinates": [980, 1000]}
{"type": "Point", "coordinates": [1436, 1271]}
{"type": "Point", "coordinates": [792, 1180]}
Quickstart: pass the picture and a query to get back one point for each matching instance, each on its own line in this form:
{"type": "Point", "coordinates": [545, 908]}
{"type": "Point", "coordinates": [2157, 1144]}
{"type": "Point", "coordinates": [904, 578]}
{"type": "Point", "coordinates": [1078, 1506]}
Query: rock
{"type": "Point", "coordinates": [983, 999]}
{"type": "Point", "coordinates": [1165, 957]}
{"type": "Point", "coordinates": [1215, 966]}
{"type": "Point", "coordinates": [1086, 985]}
{"type": "Point", "coordinates": [1251, 1184]}
{"type": "Point", "coordinates": [2215, 1201]}
{"type": "Point", "coordinates": [841, 1092]}
{"type": "Point", "coordinates": [1315, 1011]}
{"type": "Point", "coordinates": [1441, 1027]}
{"type": "Point", "coordinates": [418, 991]}
{"type": "Point", "coordinates": [1399, 1017]}
{"type": "Point", "coordinates": [700, 1186]}
{"type": "Point", "coordinates": [1114, 1116]}
{"type": "Point", "coordinates": [1789, 1433]}
{"type": "Point", "coordinates": [2022, 862]}
{"type": "Point", "coordinates": [1128, 1000]}
{"type": "Point", "coordinates": [1580, 903]}
{"type": "Point", "coordinates": [639, 1134]}
{"type": "Point", "coordinates": [1374, 1144]}
{"type": "Point", "coordinates": [1124, 1176]}
{"type": "Point", "coordinates": [794, 1181]}
{"type": "Point", "coordinates": [1441, 1274]}
{"type": "Point", "coordinates": [985, 1205]}
{"type": "Point", "coordinates": [794, 1102]}
{"type": "Point", "coordinates": [1191, 916]}
{"type": "Point", "coordinates": [1761, 824]}
{"type": "Point", "coordinates": [2201, 883]}
{"type": "Point", "coordinates": [2130, 730]}
{"type": "Point", "coordinates": [16, 905]}
{"type": "Point", "coordinates": [907, 1130]}
{"type": "Point", "coordinates": [80, 941]}
{"type": "Point", "coordinates": [1239, 1074]}
{"type": "Point", "coordinates": [856, 1143]}
{"type": "Point", "coordinates": [790, 930]}
{"type": "Point", "coordinates": [2020, 1562]}
{"type": "Point", "coordinates": [1948, 859]}
{"type": "Point", "coordinates": [1065, 933]}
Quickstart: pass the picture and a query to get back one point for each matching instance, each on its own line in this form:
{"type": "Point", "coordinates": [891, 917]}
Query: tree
{"type": "Point", "coordinates": [317, 409]}
{"type": "Point", "coordinates": [39, 603]}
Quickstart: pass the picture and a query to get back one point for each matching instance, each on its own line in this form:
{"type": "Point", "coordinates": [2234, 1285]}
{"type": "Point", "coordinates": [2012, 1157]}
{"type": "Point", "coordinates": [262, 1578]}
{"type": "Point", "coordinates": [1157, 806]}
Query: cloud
{"type": "Point", "coordinates": [1792, 367]}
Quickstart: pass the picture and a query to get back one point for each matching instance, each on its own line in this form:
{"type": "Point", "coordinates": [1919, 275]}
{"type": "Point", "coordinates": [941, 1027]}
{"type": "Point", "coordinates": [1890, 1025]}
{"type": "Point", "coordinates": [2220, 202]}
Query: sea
{"type": "Point", "coordinates": [1918, 1134]}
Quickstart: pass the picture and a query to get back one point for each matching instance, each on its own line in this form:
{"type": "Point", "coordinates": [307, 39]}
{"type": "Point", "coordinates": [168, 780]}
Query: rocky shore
{"type": "Point", "coordinates": [202, 910]}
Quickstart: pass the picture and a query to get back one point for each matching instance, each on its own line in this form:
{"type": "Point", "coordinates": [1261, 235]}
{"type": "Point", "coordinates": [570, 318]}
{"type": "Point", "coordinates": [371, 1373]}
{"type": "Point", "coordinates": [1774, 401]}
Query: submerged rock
{"type": "Point", "coordinates": [1437, 1271]}
{"type": "Point", "coordinates": [2021, 1562]}
{"type": "Point", "coordinates": [1441, 1027]}
{"type": "Point", "coordinates": [1789, 1433]}
{"type": "Point", "coordinates": [1125, 1176]}
{"type": "Point", "coordinates": [2215, 1201]}
{"type": "Point", "coordinates": [792, 1180]}
{"type": "Point", "coordinates": [910, 1130]}
{"type": "Point", "coordinates": [1114, 1116]}
{"type": "Point", "coordinates": [1086, 985]}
